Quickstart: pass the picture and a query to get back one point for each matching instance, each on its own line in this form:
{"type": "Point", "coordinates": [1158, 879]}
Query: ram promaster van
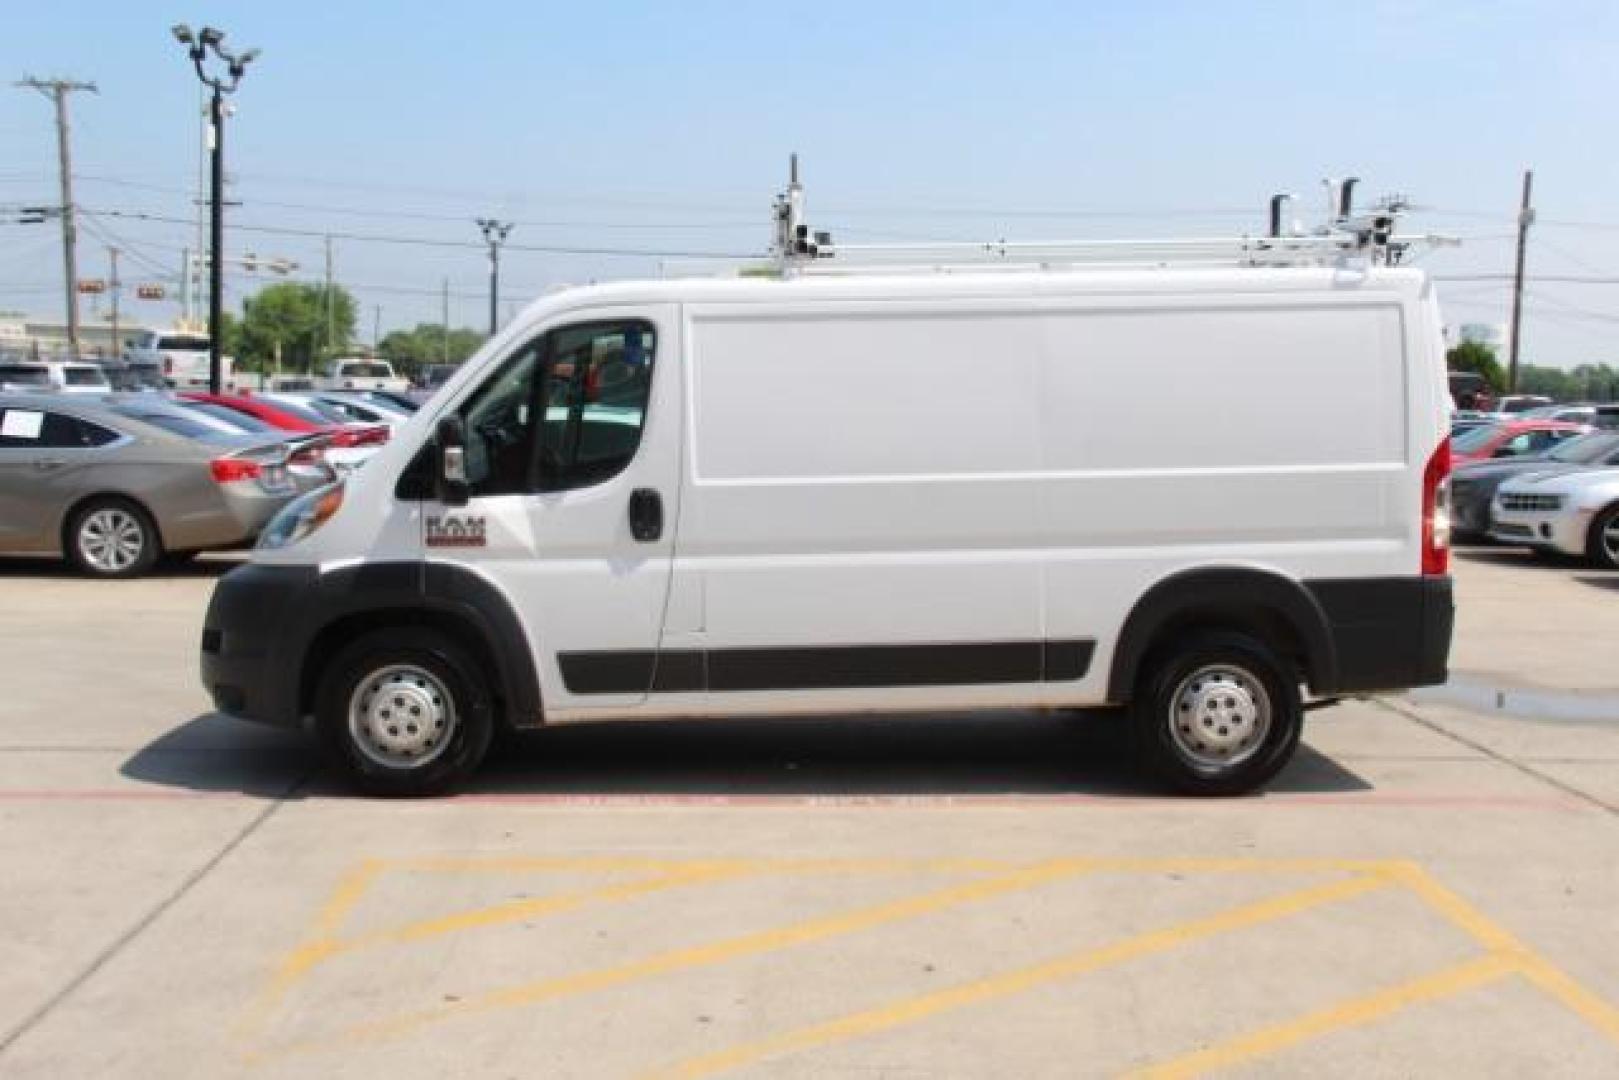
{"type": "Point", "coordinates": [1207, 493]}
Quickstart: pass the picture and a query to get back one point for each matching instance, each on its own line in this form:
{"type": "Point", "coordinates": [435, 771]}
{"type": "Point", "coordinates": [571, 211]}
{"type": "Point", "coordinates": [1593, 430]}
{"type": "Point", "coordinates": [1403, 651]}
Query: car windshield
{"type": "Point", "coordinates": [173, 423]}
{"type": "Point", "coordinates": [368, 371]}
{"type": "Point", "coordinates": [1586, 448]}
{"type": "Point", "coordinates": [183, 343]}
{"type": "Point", "coordinates": [24, 375]}
{"type": "Point", "coordinates": [83, 376]}
{"type": "Point", "coordinates": [303, 411]}
{"type": "Point", "coordinates": [1475, 439]}
{"type": "Point", "coordinates": [239, 420]}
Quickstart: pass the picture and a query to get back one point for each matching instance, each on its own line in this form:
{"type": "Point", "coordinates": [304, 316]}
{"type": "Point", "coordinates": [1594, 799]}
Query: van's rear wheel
{"type": "Point", "coordinates": [1217, 714]}
{"type": "Point", "coordinates": [404, 712]}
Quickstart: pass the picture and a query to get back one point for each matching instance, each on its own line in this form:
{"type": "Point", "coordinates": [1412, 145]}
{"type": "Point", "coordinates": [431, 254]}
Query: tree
{"type": "Point", "coordinates": [1480, 359]}
{"type": "Point", "coordinates": [409, 350]}
{"type": "Point", "coordinates": [306, 322]}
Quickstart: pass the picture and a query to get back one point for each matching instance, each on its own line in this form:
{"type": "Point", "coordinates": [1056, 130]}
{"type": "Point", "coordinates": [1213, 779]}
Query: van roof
{"type": "Point", "coordinates": [1405, 281]}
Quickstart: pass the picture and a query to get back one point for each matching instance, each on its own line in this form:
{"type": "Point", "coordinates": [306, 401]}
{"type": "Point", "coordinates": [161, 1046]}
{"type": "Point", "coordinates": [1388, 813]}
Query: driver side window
{"type": "Point", "coordinates": [565, 412]}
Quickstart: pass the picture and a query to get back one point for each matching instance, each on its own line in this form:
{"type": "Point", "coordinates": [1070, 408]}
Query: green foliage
{"type": "Point", "coordinates": [303, 319]}
{"type": "Point", "coordinates": [409, 350]}
{"type": "Point", "coordinates": [1474, 357]}
{"type": "Point", "coordinates": [1588, 382]}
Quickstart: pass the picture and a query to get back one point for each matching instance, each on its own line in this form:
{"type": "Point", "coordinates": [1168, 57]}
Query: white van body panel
{"type": "Point", "coordinates": [950, 458]}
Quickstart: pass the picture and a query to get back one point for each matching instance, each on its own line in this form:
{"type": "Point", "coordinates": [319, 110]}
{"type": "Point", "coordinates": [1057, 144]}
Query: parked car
{"type": "Point", "coordinates": [305, 454]}
{"type": "Point", "coordinates": [398, 401]}
{"type": "Point", "coordinates": [59, 376]}
{"type": "Point", "coordinates": [987, 525]}
{"type": "Point", "coordinates": [349, 445]}
{"type": "Point", "coordinates": [113, 494]}
{"type": "Point", "coordinates": [1513, 404]}
{"type": "Point", "coordinates": [360, 373]}
{"type": "Point", "coordinates": [1511, 438]}
{"type": "Point", "coordinates": [342, 408]}
{"type": "Point", "coordinates": [126, 377]}
{"type": "Point", "coordinates": [1572, 513]}
{"type": "Point", "coordinates": [180, 357]}
{"type": "Point", "coordinates": [1473, 485]}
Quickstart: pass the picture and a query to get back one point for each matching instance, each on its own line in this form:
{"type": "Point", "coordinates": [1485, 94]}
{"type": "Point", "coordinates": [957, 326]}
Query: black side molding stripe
{"type": "Point", "coordinates": [669, 671]}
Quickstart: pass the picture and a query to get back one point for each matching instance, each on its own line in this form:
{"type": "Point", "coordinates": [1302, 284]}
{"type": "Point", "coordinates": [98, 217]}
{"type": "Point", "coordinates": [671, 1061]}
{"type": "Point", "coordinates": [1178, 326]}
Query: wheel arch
{"type": "Point", "coordinates": [471, 611]}
{"type": "Point", "coordinates": [1276, 609]}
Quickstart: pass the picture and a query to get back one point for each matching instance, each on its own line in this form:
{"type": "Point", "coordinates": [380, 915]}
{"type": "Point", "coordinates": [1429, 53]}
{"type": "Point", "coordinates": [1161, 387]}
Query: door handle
{"type": "Point", "coordinates": [646, 514]}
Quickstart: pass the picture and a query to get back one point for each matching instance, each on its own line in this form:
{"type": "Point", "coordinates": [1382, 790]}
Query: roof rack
{"type": "Point", "coordinates": [1347, 238]}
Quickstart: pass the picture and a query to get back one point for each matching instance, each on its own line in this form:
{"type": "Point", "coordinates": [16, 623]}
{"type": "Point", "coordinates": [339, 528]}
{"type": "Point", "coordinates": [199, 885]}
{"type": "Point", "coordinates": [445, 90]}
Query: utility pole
{"type": "Point", "coordinates": [444, 314]}
{"type": "Point", "coordinates": [494, 234]}
{"type": "Point", "coordinates": [58, 90]}
{"type": "Point", "coordinates": [113, 285]}
{"type": "Point", "coordinates": [376, 325]}
{"type": "Point", "coordinates": [1526, 217]}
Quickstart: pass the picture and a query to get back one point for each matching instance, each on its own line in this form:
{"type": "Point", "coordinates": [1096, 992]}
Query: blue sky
{"type": "Point", "coordinates": [663, 126]}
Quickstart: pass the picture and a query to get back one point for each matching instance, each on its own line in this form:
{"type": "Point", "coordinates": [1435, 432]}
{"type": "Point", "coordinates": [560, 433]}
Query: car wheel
{"type": "Point", "coordinates": [404, 712]}
{"type": "Point", "coordinates": [1217, 714]}
{"type": "Point", "coordinates": [1602, 545]}
{"type": "Point", "coordinates": [112, 538]}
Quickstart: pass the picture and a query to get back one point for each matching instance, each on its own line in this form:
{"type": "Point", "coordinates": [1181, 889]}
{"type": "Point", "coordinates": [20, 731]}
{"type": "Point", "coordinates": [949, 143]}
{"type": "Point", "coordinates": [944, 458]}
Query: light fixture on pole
{"type": "Point", "coordinates": [494, 234]}
{"type": "Point", "coordinates": [198, 46]}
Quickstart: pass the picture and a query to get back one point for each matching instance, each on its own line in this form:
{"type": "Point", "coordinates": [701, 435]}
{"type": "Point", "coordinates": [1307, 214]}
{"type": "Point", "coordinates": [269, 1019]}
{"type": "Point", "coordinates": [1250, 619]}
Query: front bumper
{"type": "Point", "coordinates": [1563, 530]}
{"type": "Point", "coordinates": [247, 637]}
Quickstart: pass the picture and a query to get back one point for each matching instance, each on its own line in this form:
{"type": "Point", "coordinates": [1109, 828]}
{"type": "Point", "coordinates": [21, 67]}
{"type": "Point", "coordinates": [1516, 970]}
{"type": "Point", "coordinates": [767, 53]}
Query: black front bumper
{"type": "Point", "coordinates": [1386, 633]}
{"type": "Point", "coordinates": [248, 637]}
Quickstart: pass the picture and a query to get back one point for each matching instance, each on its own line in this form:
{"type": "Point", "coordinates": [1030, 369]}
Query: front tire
{"type": "Point", "coordinates": [404, 712]}
{"type": "Point", "coordinates": [1602, 545]}
{"type": "Point", "coordinates": [112, 538]}
{"type": "Point", "coordinates": [1217, 714]}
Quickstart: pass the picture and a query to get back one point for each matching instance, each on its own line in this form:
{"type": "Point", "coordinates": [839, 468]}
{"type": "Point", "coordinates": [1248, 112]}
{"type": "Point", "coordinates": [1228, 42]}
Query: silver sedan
{"type": "Point", "coordinates": [114, 493]}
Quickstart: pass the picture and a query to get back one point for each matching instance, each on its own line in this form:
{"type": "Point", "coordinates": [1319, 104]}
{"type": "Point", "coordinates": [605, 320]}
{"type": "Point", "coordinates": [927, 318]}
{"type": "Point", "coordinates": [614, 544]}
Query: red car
{"type": "Point", "coordinates": [290, 417]}
{"type": "Point", "coordinates": [1510, 439]}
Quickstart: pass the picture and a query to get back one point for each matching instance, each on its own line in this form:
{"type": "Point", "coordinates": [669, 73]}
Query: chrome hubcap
{"type": "Point", "coordinates": [401, 716]}
{"type": "Point", "coordinates": [1610, 540]}
{"type": "Point", "coordinates": [111, 539]}
{"type": "Point", "coordinates": [1218, 717]}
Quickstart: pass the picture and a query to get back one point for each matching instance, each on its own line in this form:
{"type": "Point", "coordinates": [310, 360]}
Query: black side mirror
{"type": "Point", "coordinates": [450, 485]}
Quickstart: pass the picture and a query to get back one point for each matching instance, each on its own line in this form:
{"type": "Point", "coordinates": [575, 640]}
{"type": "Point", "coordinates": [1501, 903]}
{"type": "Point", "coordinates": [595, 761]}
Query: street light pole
{"type": "Point", "coordinates": [197, 47]}
{"type": "Point", "coordinates": [494, 234]}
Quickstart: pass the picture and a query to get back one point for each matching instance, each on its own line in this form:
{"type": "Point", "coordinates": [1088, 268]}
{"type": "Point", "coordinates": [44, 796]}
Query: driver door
{"type": "Point", "coordinates": [572, 456]}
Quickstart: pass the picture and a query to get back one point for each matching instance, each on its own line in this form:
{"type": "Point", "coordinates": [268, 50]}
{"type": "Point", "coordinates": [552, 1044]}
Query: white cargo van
{"type": "Point", "coordinates": [1204, 494]}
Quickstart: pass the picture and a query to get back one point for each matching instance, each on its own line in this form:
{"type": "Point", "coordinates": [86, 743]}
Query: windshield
{"type": "Point", "coordinates": [173, 423]}
{"type": "Point", "coordinates": [368, 370]}
{"type": "Point", "coordinates": [1586, 448]}
{"type": "Point", "coordinates": [1475, 439]}
{"type": "Point", "coordinates": [83, 376]}
{"type": "Point", "coordinates": [24, 375]}
{"type": "Point", "coordinates": [303, 411]}
{"type": "Point", "coordinates": [239, 420]}
{"type": "Point", "coordinates": [183, 343]}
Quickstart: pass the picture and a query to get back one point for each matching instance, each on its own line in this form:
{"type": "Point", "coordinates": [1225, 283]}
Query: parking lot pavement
{"type": "Point", "coordinates": [1426, 889]}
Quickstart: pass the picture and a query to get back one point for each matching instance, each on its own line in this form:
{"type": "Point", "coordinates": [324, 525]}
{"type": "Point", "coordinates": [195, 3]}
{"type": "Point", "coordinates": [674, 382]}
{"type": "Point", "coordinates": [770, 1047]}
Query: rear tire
{"type": "Point", "coordinates": [1602, 544]}
{"type": "Point", "coordinates": [111, 538]}
{"type": "Point", "coordinates": [404, 712]}
{"type": "Point", "coordinates": [1216, 714]}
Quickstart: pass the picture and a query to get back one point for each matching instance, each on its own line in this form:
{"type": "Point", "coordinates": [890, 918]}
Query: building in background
{"type": "Point", "coordinates": [47, 339]}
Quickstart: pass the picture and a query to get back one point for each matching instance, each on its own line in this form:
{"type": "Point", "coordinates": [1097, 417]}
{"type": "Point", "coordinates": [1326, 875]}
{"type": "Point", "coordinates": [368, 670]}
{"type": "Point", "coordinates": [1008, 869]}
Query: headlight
{"type": "Point", "coordinates": [301, 517]}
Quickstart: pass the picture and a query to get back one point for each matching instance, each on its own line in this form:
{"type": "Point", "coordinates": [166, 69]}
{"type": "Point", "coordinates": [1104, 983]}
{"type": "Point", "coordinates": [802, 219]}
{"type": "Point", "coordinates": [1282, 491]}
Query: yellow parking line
{"type": "Point", "coordinates": [1352, 1013]}
{"type": "Point", "coordinates": [910, 1010]}
{"type": "Point", "coordinates": [709, 954]}
{"type": "Point", "coordinates": [1539, 970]}
{"type": "Point", "coordinates": [860, 864]}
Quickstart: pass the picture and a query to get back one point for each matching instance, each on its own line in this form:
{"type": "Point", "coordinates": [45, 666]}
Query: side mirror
{"type": "Point", "coordinates": [450, 485]}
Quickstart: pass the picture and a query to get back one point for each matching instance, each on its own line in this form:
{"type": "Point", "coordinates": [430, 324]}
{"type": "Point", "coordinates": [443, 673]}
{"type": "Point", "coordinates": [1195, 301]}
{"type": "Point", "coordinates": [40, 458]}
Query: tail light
{"type": "Point", "coordinates": [229, 470]}
{"type": "Point", "coordinates": [374, 436]}
{"type": "Point", "coordinates": [1436, 511]}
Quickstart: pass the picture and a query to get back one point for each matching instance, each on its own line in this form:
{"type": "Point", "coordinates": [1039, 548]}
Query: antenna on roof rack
{"type": "Point", "coordinates": [1345, 238]}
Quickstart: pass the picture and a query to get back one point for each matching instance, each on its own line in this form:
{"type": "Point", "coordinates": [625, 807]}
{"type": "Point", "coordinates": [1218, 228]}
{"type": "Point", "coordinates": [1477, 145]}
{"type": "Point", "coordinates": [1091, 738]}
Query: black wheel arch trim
{"type": "Point", "coordinates": [432, 588]}
{"type": "Point", "coordinates": [1223, 597]}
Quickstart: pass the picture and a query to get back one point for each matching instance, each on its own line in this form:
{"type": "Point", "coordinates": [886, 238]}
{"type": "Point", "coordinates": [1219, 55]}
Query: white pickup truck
{"type": "Point", "coordinates": [361, 373]}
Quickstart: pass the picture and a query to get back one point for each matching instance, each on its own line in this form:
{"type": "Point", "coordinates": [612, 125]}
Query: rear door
{"type": "Point", "coordinates": [43, 454]}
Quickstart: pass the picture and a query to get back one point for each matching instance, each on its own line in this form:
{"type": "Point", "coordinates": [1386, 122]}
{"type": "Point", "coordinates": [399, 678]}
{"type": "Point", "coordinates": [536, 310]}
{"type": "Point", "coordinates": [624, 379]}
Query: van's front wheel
{"type": "Point", "coordinates": [1217, 714]}
{"type": "Point", "coordinates": [404, 712]}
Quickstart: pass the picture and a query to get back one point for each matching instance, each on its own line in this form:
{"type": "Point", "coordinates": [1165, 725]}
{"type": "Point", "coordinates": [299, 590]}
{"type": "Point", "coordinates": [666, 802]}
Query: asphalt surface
{"type": "Point", "coordinates": [1429, 888]}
